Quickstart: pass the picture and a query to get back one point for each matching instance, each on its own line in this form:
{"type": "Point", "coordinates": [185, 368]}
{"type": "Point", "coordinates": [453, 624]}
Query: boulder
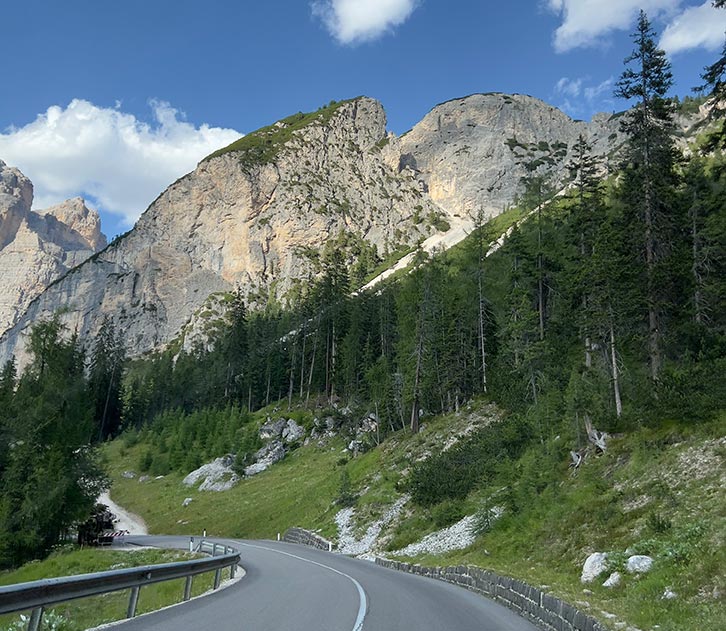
{"type": "Point", "coordinates": [186, 502]}
{"type": "Point", "coordinates": [292, 432]}
{"type": "Point", "coordinates": [266, 457]}
{"type": "Point", "coordinates": [367, 425]}
{"type": "Point", "coordinates": [272, 429]}
{"type": "Point", "coordinates": [613, 580]}
{"type": "Point", "coordinates": [594, 565]}
{"type": "Point", "coordinates": [639, 564]}
{"type": "Point", "coordinates": [356, 447]}
{"type": "Point", "coordinates": [668, 594]}
{"type": "Point", "coordinates": [129, 475]}
{"type": "Point", "coordinates": [217, 475]}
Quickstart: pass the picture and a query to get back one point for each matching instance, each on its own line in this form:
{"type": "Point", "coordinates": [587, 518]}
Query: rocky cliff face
{"type": "Point", "coordinates": [247, 218]}
{"type": "Point", "coordinates": [468, 152]}
{"type": "Point", "coordinates": [38, 247]}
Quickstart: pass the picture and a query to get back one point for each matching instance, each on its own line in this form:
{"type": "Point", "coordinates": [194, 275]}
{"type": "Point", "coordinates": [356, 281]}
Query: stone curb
{"type": "Point", "coordinates": [547, 612]}
{"type": "Point", "coordinates": [307, 538]}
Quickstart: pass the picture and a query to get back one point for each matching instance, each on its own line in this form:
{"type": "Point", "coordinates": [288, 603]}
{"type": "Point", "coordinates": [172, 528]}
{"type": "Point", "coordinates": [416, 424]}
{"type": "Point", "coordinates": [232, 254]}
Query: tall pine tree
{"type": "Point", "coordinates": [649, 175]}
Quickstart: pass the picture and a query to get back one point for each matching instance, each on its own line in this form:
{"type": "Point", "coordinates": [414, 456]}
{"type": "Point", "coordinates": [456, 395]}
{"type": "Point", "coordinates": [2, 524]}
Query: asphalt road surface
{"type": "Point", "coordinates": [290, 587]}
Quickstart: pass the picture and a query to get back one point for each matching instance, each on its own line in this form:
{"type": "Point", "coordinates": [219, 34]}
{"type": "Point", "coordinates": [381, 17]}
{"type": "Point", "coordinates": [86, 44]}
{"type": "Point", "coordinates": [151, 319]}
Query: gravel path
{"type": "Point", "coordinates": [124, 519]}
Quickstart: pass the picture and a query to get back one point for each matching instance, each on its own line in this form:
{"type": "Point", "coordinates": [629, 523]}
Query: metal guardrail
{"type": "Point", "coordinates": [37, 595]}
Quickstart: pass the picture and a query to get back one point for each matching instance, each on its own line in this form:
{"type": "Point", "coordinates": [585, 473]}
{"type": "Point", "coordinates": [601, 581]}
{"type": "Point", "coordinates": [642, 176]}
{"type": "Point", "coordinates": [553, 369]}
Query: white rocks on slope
{"type": "Point", "coordinates": [271, 453]}
{"type": "Point", "coordinates": [217, 475]}
{"type": "Point", "coordinates": [613, 580]}
{"type": "Point", "coordinates": [456, 537]}
{"type": "Point", "coordinates": [349, 544]}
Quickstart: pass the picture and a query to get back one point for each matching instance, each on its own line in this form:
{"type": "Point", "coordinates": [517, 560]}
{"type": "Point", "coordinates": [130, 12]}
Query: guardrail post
{"type": "Point", "coordinates": [188, 587]}
{"type": "Point", "coordinates": [214, 549]}
{"type": "Point", "coordinates": [231, 570]}
{"type": "Point", "coordinates": [35, 618]}
{"type": "Point", "coordinates": [217, 577]}
{"type": "Point", "coordinates": [133, 601]}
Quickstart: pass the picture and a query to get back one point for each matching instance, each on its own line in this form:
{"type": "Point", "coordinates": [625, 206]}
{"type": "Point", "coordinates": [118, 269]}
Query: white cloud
{"type": "Point", "coordinates": [578, 99]}
{"type": "Point", "coordinates": [103, 153]}
{"type": "Point", "coordinates": [696, 27]}
{"type": "Point", "coordinates": [569, 87]}
{"type": "Point", "coordinates": [587, 22]}
{"type": "Point", "coordinates": [595, 92]}
{"type": "Point", "coordinates": [355, 21]}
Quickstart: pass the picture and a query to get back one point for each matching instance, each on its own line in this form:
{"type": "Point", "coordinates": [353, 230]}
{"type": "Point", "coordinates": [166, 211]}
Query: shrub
{"type": "Point", "coordinates": [448, 512]}
{"type": "Point", "coordinates": [346, 497]}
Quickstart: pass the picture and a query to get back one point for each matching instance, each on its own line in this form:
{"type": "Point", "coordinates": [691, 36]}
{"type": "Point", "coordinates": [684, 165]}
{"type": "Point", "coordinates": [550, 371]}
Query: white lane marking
{"type": "Point", "coordinates": [362, 607]}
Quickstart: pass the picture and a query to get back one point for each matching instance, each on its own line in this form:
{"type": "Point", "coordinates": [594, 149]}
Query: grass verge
{"type": "Point", "coordinates": [89, 612]}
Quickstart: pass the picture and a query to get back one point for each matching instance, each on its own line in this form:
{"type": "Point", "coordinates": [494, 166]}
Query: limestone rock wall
{"type": "Point", "coordinates": [461, 150]}
{"type": "Point", "coordinates": [38, 247]}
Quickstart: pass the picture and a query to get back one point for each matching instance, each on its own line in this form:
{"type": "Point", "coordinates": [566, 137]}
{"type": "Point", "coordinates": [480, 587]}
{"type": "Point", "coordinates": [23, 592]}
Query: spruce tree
{"type": "Point", "coordinates": [105, 376]}
{"type": "Point", "coordinates": [649, 176]}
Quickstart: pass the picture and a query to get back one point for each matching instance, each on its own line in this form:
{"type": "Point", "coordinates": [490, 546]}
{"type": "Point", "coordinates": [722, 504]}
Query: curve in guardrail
{"type": "Point", "coordinates": [37, 595]}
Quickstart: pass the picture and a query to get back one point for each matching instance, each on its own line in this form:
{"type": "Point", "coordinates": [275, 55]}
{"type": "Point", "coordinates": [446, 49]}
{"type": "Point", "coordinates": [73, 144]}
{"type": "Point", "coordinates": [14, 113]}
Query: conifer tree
{"type": "Point", "coordinates": [649, 177]}
{"type": "Point", "coordinates": [51, 478]}
{"type": "Point", "coordinates": [105, 376]}
{"type": "Point", "coordinates": [586, 213]}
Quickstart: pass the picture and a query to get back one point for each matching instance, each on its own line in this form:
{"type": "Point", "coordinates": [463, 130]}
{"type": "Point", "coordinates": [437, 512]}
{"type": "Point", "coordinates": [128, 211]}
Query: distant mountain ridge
{"type": "Point", "coordinates": [252, 216]}
{"type": "Point", "coordinates": [38, 247]}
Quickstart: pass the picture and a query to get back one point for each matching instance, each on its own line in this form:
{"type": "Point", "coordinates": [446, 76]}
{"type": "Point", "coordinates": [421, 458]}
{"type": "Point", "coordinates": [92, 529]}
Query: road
{"type": "Point", "coordinates": [294, 588]}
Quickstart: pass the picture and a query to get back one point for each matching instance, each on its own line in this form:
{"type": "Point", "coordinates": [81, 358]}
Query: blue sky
{"type": "Point", "coordinates": [115, 100]}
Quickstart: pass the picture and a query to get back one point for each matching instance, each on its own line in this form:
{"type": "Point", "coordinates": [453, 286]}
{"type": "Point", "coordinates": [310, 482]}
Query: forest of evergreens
{"type": "Point", "coordinates": [606, 307]}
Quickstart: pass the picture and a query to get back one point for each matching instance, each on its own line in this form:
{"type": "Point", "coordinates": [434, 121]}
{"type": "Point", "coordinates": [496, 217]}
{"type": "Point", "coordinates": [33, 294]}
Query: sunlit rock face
{"type": "Point", "coordinates": [38, 247]}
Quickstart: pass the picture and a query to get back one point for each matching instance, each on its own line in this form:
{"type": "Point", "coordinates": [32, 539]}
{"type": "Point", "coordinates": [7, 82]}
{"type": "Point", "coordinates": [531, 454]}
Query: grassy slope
{"type": "Point", "coordinates": [263, 145]}
{"type": "Point", "coordinates": [654, 492]}
{"type": "Point", "coordinates": [657, 493]}
{"type": "Point", "coordinates": [87, 612]}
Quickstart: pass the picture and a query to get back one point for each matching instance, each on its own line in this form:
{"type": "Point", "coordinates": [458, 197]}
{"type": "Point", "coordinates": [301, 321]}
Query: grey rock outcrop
{"type": "Point", "coordinates": [38, 247]}
{"type": "Point", "coordinates": [267, 456]}
{"type": "Point", "coordinates": [217, 475]}
{"type": "Point", "coordinates": [272, 428]}
{"type": "Point", "coordinates": [462, 150]}
{"type": "Point", "coordinates": [292, 432]}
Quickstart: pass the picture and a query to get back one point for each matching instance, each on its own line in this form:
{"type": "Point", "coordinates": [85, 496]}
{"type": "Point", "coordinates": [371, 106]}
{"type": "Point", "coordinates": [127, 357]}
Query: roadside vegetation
{"type": "Point", "coordinates": [84, 613]}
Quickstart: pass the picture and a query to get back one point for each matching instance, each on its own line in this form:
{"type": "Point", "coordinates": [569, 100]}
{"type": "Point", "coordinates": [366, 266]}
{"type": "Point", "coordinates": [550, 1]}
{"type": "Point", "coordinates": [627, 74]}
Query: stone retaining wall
{"type": "Point", "coordinates": [547, 612]}
{"type": "Point", "coordinates": [306, 538]}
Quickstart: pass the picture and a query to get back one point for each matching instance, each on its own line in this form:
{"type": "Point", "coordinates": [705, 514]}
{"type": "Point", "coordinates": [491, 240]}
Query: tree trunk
{"type": "Point", "coordinates": [482, 338]}
{"type": "Point", "coordinates": [415, 407]}
{"type": "Point", "coordinates": [695, 267]}
{"type": "Point", "coordinates": [540, 272]}
{"type": "Point", "coordinates": [615, 375]}
{"type": "Point", "coordinates": [302, 362]}
{"type": "Point", "coordinates": [312, 364]}
{"type": "Point", "coordinates": [654, 351]}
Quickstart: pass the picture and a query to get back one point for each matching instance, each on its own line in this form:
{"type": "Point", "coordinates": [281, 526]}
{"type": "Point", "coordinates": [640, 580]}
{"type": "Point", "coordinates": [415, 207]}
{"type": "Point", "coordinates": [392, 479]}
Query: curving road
{"type": "Point", "coordinates": [294, 588]}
